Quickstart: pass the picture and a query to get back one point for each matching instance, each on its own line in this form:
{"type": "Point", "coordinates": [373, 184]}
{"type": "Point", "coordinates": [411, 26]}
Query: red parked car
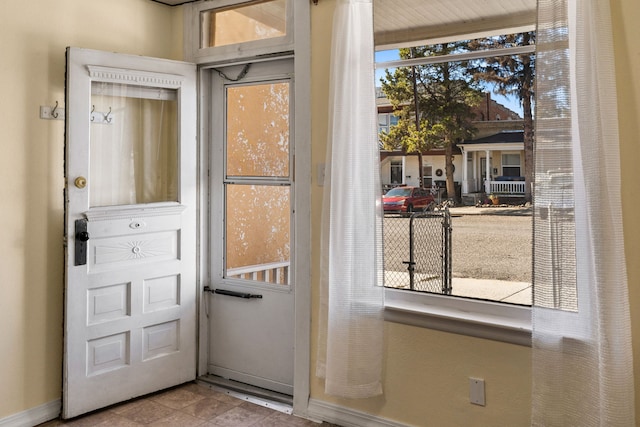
{"type": "Point", "coordinates": [406, 199]}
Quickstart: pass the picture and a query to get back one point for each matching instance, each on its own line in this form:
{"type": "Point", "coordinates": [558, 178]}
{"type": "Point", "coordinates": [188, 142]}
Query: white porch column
{"type": "Point", "coordinates": [487, 178]}
{"type": "Point", "coordinates": [404, 169]}
{"type": "Point", "coordinates": [465, 179]}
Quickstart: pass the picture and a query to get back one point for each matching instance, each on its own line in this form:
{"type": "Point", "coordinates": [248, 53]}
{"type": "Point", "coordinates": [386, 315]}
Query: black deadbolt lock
{"type": "Point", "coordinates": [82, 236]}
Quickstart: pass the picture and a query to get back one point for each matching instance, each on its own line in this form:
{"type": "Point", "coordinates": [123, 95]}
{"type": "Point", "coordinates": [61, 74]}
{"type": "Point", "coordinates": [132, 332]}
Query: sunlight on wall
{"type": "Point", "coordinates": [35, 35]}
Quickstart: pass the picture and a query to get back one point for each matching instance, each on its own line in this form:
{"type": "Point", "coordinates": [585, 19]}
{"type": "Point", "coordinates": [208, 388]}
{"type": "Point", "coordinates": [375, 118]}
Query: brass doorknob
{"type": "Point", "coordinates": [80, 182]}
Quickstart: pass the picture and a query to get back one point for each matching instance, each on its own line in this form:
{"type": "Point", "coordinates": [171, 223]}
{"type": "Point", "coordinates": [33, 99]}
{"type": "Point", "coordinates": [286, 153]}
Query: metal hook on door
{"type": "Point", "coordinates": [54, 114]}
{"type": "Point", "coordinates": [106, 116]}
{"type": "Point", "coordinates": [93, 108]}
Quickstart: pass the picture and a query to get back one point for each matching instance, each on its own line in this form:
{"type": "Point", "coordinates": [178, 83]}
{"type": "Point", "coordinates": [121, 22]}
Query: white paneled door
{"type": "Point", "coordinates": [130, 282]}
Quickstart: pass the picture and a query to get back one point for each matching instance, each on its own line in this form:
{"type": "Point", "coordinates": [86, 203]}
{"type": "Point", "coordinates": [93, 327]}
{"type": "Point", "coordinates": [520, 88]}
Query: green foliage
{"type": "Point", "coordinates": [512, 75]}
{"type": "Point", "coordinates": [444, 95]}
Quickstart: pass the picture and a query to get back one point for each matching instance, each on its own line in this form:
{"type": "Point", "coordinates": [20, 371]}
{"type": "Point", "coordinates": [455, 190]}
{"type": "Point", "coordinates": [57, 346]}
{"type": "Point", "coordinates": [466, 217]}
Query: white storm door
{"type": "Point", "coordinates": [251, 315]}
{"type": "Point", "coordinates": [130, 228]}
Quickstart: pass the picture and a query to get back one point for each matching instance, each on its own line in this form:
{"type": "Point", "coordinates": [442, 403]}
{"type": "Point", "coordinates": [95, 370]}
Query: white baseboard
{"type": "Point", "coordinates": [319, 410]}
{"type": "Point", "coordinates": [34, 416]}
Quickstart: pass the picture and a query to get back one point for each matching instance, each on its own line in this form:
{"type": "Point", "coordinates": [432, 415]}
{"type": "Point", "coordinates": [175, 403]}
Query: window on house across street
{"type": "Point", "coordinates": [396, 172]}
{"type": "Point", "coordinates": [511, 165]}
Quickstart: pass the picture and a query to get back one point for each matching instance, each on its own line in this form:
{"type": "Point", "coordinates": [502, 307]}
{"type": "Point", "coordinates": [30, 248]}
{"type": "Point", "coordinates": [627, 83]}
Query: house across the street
{"type": "Point", "coordinates": [499, 138]}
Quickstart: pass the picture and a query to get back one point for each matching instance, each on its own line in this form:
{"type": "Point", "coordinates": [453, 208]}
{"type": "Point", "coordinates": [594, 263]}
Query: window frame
{"type": "Point", "coordinates": [396, 164]}
{"type": "Point", "coordinates": [504, 164]}
{"type": "Point", "coordinates": [511, 323]}
{"type": "Point", "coordinates": [299, 49]}
{"type": "Point", "coordinates": [192, 28]}
{"type": "Point", "coordinates": [229, 180]}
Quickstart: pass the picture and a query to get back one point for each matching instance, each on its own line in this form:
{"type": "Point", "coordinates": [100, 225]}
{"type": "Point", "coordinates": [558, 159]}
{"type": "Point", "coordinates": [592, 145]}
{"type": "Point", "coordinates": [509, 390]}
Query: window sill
{"type": "Point", "coordinates": [476, 318]}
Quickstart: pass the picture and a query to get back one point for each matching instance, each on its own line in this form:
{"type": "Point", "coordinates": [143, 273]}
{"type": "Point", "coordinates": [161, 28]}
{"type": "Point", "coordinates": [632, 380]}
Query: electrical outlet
{"type": "Point", "coordinates": [476, 391]}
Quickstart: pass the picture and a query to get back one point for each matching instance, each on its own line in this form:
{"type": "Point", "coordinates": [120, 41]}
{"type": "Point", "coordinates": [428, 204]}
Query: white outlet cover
{"type": "Point", "coordinates": [476, 391]}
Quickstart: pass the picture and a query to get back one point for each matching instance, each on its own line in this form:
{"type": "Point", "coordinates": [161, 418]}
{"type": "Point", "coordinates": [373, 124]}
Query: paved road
{"type": "Point", "coordinates": [492, 247]}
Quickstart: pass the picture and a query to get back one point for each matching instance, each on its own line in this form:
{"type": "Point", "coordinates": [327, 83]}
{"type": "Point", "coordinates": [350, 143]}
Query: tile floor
{"type": "Point", "coordinates": [189, 405]}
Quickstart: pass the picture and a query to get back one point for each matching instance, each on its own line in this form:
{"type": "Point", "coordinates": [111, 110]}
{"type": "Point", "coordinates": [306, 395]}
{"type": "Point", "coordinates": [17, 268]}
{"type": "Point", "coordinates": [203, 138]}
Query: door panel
{"type": "Point", "coordinates": [130, 297]}
{"type": "Point", "coordinates": [253, 191]}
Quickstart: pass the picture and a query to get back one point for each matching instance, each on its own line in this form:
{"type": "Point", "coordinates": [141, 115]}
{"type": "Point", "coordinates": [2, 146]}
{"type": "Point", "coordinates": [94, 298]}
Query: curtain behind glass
{"type": "Point", "coordinates": [133, 158]}
{"type": "Point", "coordinates": [582, 356]}
{"type": "Point", "coordinates": [351, 309]}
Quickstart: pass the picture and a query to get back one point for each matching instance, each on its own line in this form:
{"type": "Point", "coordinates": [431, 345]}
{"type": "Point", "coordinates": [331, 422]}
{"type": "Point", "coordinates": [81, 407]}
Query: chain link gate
{"type": "Point", "coordinates": [417, 251]}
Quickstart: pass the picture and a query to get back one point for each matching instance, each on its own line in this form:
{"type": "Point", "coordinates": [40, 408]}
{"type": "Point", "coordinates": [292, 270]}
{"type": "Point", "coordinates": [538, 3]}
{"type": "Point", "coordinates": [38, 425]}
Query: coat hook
{"type": "Point", "coordinates": [106, 116]}
{"type": "Point", "coordinates": [53, 111]}
{"type": "Point", "coordinates": [315, 2]}
{"type": "Point", "coordinates": [93, 108]}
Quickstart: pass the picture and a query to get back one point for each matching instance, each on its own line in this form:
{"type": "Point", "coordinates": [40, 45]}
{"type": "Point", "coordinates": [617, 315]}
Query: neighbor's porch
{"type": "Point", "coordinates": [493, 165]}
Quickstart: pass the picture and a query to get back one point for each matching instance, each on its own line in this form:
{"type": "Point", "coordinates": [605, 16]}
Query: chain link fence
{"type": "Point", "coordinates": [417, 251]}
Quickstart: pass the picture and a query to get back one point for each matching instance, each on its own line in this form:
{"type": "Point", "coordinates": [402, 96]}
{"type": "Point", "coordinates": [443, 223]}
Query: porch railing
{"type": "Point", "coordinates": [507, 187]}
{"type": "Point", "coordinates": [273, 272]}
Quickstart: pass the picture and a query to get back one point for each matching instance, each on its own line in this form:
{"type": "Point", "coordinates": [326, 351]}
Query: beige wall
{"type": "Point", "coordinates": [34, 35]}
{"type": "Point", "coordinates": [626, 15]}
{"type": "Point", "coordinates": [425, 371]}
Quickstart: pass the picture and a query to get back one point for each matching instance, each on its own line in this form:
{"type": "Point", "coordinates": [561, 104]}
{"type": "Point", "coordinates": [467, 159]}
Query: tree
{"type": "Point", "coordinates": [433, 103]}
{"type": "Point", "coordinates": [512, 75]}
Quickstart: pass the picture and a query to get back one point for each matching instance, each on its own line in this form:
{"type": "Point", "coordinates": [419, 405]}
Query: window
{"type": "Point", "coordinates": [511, 165]}
{"type": "Point", "coordinates": [229, 29]}
{"type": "Point", "coordinates": [386, 121]}
{"type": "Point", "coordinates": [427, 179]}
{"type": "Point", "coordinates": [396, 172]}
{"type": "Point", "coordinates": [258, 193]}
{"type": "Point", "coordinates": [243, 23]}
{"type": "Point", "coordinates": [491, 255]}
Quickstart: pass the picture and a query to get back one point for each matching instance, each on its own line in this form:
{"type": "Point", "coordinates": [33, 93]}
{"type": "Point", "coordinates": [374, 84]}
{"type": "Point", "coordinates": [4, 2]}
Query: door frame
{"type": "Point", "coordinates": [301, 270]}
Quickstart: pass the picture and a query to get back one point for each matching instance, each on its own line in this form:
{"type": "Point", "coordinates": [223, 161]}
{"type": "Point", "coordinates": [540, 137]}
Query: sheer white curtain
{"type": "Point", "coordinates": [134, 156]}
{"type": "Point", "coordinates": [582, 356]}
{"type": "Point", "coordinates": [351, 306]}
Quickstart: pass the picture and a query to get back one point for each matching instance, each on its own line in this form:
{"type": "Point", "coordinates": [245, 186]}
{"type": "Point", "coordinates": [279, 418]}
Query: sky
{"type": "Point", "coordinates": [510, 102]}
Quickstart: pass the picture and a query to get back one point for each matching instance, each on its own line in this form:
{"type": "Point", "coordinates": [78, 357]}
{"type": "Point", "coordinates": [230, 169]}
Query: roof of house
{"type": "Point", "coordinates": [497, 138]}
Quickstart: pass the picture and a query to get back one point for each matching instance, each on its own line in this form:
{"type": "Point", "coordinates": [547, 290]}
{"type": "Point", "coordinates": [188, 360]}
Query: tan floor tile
{"type": "Point", "coordinates": [177, 398]}
{"type": "Point", "coordinates": [237, 417]}
{"type": "Point", "coordinates": [257, 409]}
{"type": "Point", "coordinates": [207, 408]}
{"type": "Point", "coordinates": [191, 405]}
{"type": "Point", "coordinates": [200, 389]}
{"type": "Point", "coordinates": [223, 397]}
{"type": "Point", "coordinates": [178, 419]}
{"type": "Point", "coordinates": [146, 412]}
{"type": "Point", "coordinates": [52, 423]}
{"type": "Point", "coordinates": [90, 420]}
{"type": "Point", "coordinates": [127, 406]}
{"type": "Point", "coordinates": [280, 419]}
{"type": "Point", "coordinates": [118, 421]}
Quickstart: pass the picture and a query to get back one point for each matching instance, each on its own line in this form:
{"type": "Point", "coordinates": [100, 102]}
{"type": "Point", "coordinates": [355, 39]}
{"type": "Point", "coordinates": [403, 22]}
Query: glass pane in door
{"type": "Point", "coordinates": [258, 232]}
{"type": "Point", "coordinates": [133, 145]}
{"type": "Point", "coordinates": [241, 24]}
{"type": "Point", "coordinates": [258, 130]}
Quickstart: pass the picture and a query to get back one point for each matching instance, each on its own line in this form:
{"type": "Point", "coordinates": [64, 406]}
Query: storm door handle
{"type": "Point", "coordinates": [236, 294]}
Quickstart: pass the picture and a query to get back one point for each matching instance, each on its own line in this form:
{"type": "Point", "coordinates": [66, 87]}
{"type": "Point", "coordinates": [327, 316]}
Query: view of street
{"type": "Point", "coordinates": [491, 246]}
